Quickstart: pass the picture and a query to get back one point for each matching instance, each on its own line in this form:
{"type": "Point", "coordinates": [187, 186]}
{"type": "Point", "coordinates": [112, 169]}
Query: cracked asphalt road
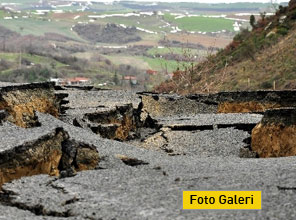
{"type": "Point", "coordinates": [116, 190]}
{"type": "Point", "coordinates": [151, 187]}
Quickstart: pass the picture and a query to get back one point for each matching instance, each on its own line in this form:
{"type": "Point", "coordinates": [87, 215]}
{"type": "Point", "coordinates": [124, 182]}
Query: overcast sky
{"type": "Point", "coordinates": [203, 1]}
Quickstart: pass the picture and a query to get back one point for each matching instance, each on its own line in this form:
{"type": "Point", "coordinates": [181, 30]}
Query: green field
{"type": "Point", "coordinates": [3, 14]}
{"type": "Point", "coordinates": [163, 65]}
{"type": "Point", "coordinates": [38, 27]}
{"type": "Point", "coordinates": [151, 23]}
{"type": "Point", "coordinates": [69, 8]}
{"type": "Point", "coordinates": [14, 57]}
{"type": "Point", "coordinates": [100, 63]}
{"type": "Point", "coordinates": [203, 24]}
{"type": "Point", "coordinates": [137, 62]}
{"type": "Point", "coordinates": [221, 8]}
{"type": "Point", "coordinates": [145, 63]}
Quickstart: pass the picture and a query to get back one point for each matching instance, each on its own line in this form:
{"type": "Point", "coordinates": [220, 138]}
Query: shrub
{"type": "Point", "coordinates": [252, 21]}
{"type": "Point", "coordinates": [4, 64]}
{"type": "Point", "coordinates": [282, 31]}
{"type": "Point", "coordinates": [266, 85]}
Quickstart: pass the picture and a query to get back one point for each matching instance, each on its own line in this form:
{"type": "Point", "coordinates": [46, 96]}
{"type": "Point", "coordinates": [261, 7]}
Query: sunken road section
{"type": "Point", "coordinates": [102, 154]}
{"type": "Point", "coordinates": [21, 101]}
{"type": "Point", "coordinates": [223, 102]}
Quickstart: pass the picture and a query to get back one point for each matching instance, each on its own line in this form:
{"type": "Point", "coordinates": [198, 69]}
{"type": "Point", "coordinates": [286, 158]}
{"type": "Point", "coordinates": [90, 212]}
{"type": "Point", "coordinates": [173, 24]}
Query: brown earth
{"type": "Point", "coordinates": [205, 40]}
{"type": "Point", "coordinates": [86, 158]}
{"type": "Point", "coordinates": [43, 158]}
{"type": "Point", "coordinates": [21, 104]}
{"type": "Point", "coordinates": [113, 124]}
{"type": "Point", "coordinates": [244, 107]}
{"type": "Point", "coordinates": [261, 59]}
{"type": "Point", "coordinates": [66, 15]}
{"type": "Point", "coordinates": [152, 43]}
{"type": "Point", "coordinates": [274, 140]}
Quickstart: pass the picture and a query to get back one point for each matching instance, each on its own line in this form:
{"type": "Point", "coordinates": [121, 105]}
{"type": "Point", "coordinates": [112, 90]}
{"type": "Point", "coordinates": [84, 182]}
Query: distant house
{"type": "Point", "coordinates": [78, 81]}
{"type": "Point", "coordinates": [170, 75]}
{"type": "Point", "coordinates": [132, 79]}
{"type": "Point", "coordinates": [71, 81]}
{"type": "Point", "coordinates": [151, 72]}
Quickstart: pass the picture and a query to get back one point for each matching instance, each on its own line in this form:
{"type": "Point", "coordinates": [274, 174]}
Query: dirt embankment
{"type": "Point", "coordinates": [29, 148]}
{"type": "Point", "coordinates": [21, 102]}
{"type": "Point", "coordinates": [275, 135]}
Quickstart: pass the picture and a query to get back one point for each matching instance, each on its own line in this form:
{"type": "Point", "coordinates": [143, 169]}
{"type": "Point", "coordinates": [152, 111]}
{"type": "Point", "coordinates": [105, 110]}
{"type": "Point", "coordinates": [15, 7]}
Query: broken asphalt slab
{"type": "Point", "coordinates": [141, 182]}
{"type": "Point", "coordinates": [152, 189]}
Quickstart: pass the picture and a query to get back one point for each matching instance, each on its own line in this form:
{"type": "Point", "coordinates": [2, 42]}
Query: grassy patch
{"type": "Point", "coordinates": [172, 50]}
{"type": "Point", "coordinates": [134, 61]}
{"type": "Point", "coordinates": [163, 65]}
{"type": "Point", "coordinates": [151, 23]}
{"type": "Point", "coordinates": [145, 63]}
{"type": "Point", "coordinates": [14, 57]}
{"type": "Point", "coordinates": [199, 23]}
{"type": "Point", "coordinates": [38, 27]}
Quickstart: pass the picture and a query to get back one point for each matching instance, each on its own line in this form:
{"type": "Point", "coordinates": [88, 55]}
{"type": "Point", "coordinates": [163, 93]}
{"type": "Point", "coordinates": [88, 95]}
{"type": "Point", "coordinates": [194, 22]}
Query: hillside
{"type": "Point", "coordinates": [108, 43]}
{"type": "Point", "coordinates": [263, 58]}
{"type": "Point", "coordinates": [111, 33]}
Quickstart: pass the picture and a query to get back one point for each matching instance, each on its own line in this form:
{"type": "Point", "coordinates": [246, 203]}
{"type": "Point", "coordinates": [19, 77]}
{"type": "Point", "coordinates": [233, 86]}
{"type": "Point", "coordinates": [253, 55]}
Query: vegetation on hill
{"type": "Point", "coordinates": [44, 39]}
{"type": "Point", "coordinates": [110, 33]}
{"type": "Point", "coordinates": [203, 24]}
{"type": "Point", "coordinates": [31, 58]}
{"type": "Point", "coordinates": [263, 58]}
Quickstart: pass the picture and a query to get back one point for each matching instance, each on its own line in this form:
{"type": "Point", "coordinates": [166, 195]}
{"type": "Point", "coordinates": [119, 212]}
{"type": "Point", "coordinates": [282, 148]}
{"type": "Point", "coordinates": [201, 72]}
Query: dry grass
{"type": "Point", "coordinates": [205, 40]}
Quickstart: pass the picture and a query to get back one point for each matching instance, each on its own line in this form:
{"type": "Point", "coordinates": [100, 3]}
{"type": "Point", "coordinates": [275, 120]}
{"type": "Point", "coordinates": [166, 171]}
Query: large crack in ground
{"type": "Point", "coordinates": [146, 124]}
{"type": "Point", "coordinates": [148, 134]}
{"type": "Point", "coordinates": [53, 154]}
{"type": "Point", "coordinates": [31, 150]}
{"type": "Point", "coordinates": [10, 198]}
{"type": "Point", "coordinates": [120, 122]}
{"type": "Point", "coordinates": [20, 102]}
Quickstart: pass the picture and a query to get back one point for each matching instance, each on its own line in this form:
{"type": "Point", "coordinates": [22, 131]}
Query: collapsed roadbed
{"type": "Point", "coordinates": [85, 153]}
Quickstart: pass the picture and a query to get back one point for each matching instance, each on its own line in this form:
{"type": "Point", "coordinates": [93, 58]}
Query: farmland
{"type": "Point", "coordinates": [96, 39]}
{"type": "Point", "coordinates": [200, 23]}
{"type": "Point", "coordinates": [38, 27]}
{"type": "Point", "coordinates": [173, 50]}
{"type": "Point", "coordinates": [14, 57]}
{"type": "Point", "coordinates": [164, 65]}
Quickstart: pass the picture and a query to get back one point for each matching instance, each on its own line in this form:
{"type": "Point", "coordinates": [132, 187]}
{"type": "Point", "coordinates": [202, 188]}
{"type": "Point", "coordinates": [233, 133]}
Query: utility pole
{"type": "Point", "coordinates": [274, 85]}
{"type": "Point", "coordinates": [20, 64]}
{"type": "Point", "coordinates": [20, 60]}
